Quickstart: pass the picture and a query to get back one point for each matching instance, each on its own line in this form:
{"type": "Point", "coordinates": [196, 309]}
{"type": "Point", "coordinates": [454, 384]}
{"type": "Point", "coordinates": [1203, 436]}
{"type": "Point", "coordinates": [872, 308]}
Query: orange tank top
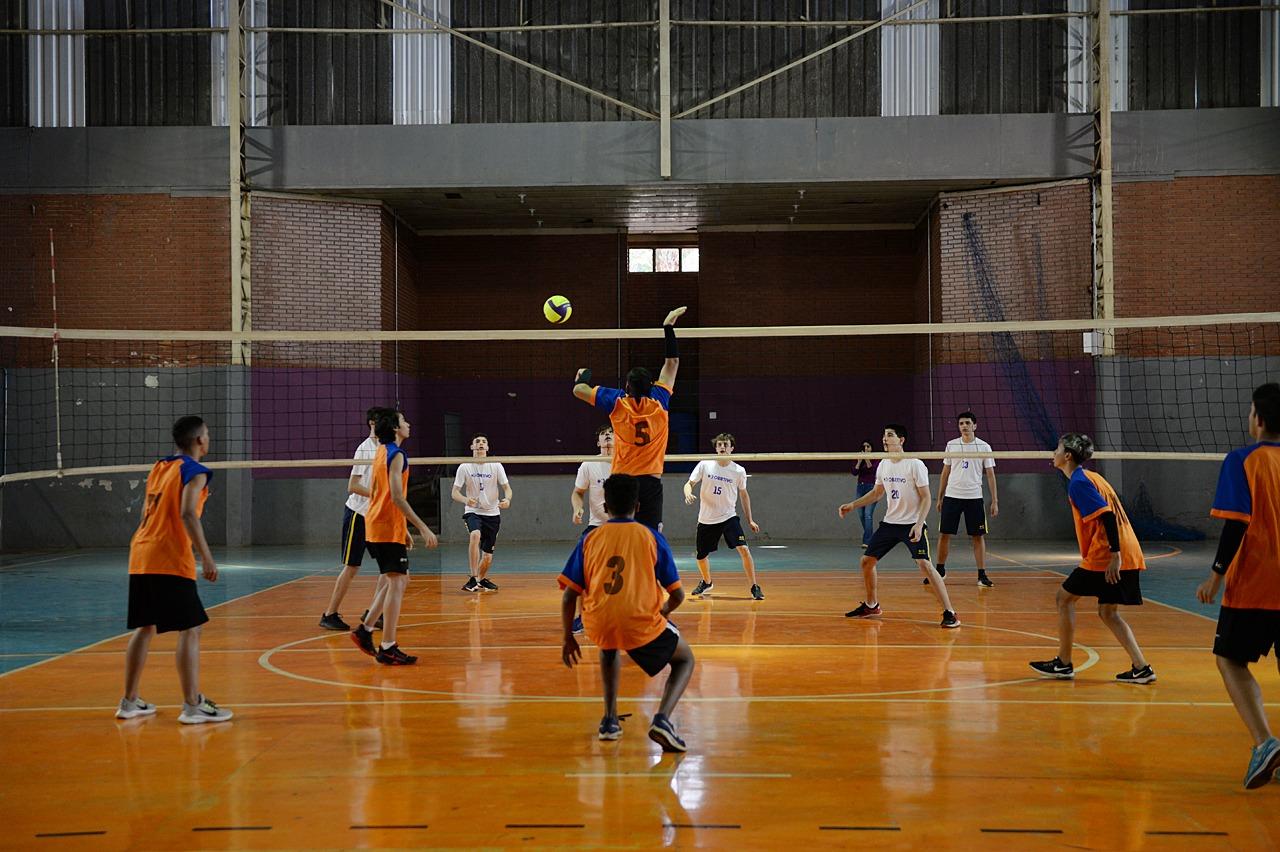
{"type": "Point", "coordinates": [161, 544]}
{"type": "Point", "coordinates": [383, 520]}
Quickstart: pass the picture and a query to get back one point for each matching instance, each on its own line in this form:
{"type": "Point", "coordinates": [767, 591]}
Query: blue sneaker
{"type": "Point", "coordinates": [664, 734]}
{"type": "Point", "coordinates": [610, 728]}
{"type": "Point", "coordinates": [577, 625]}
{"type": "Point", "coordinates": [1263, 764]}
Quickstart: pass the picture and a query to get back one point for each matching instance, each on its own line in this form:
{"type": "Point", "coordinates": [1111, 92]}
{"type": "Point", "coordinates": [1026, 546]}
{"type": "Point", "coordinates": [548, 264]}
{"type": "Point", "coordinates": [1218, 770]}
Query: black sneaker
{"type": "Point", "coordinates": [942, 572]}
{"type": "Point", "coordinates": [984, 581]}
{"type": "Point", "coordinates": [364, 619]}
{"type": "Point", "coordinates": [393, 656]}
{"type": "Point", "coordinates": [472, 585]}
{"type": "Point", "coordinates": [363, 637]}
{"type": "Point", "coordinates": [487, 585]}
{"type": "Point", "coordinates": [950, 619]}
{"type": "Point", "coordinates": [702, 588]}
{"type": "Point", "coordinates": [864, 611]}
{"type": "Point", "coordinates": [756, 594]}
{"type": "Point", "coordinates": [1137, 675]}
{"type": "Point", "coordinates": [1055, 668]}
{"type": "Point", "coordinates": [333, 621]}
{"type": "Point", "coordinates": [664, 734]}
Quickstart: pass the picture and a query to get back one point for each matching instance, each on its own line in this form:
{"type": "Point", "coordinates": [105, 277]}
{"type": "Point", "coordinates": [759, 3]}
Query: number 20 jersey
{"type": "Point", "coordinates": [639, 428]}
{"type": "Point", "coordinates": [621, 569]}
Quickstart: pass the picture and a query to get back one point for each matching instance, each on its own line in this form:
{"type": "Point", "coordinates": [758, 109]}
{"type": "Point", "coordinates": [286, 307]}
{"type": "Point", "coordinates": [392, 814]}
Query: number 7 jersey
{"type": "Point", "coordinates": [621, 570]}
{"type": "Point", "coordinates": [639, 428]}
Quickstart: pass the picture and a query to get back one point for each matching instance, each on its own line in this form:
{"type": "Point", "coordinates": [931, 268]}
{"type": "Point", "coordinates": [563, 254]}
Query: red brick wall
{"type": "Point", "coordinates": [400, 295]}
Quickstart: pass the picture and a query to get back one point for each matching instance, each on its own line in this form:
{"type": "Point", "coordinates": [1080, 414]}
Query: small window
{"type": "Point", "coordinates": [663, 259]}
{"type": "Point", "coordinates": [689, 260]}
{"type": "Point", "coordinates": [640, 260]}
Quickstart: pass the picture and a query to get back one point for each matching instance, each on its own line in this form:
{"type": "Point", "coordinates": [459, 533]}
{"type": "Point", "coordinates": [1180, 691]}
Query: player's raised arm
{"type": "Point", "coordinates": [672, 363]}
{"type": "Point", "coordinates": [582, 388]}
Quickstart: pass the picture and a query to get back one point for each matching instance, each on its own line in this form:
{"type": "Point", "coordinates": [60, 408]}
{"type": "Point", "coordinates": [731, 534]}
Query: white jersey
{"type": "Point", "coordinates": [965, 481]}
{"type": "Point", "coordinates": [591, 477]}
{"type": "Point", "coordinates": [358, 503]}
{"type": "Point", "coordinates": [900, 479]}
{"type": "Point", "coordinates": [479, 482]}
{"type": "Point", "coordinates": [720, 486]}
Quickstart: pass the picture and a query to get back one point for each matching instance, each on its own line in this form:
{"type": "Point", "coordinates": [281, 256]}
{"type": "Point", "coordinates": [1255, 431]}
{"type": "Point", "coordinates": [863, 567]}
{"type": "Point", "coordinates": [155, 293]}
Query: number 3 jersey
{"type": "Point", "coordinates": [900, 478]}
{"type": "Point", "coordinates": [718, 499]}
{"type": "Point", "coordinates": [639, 428]}
{"type": "Point", "coordinates": [621, 570]}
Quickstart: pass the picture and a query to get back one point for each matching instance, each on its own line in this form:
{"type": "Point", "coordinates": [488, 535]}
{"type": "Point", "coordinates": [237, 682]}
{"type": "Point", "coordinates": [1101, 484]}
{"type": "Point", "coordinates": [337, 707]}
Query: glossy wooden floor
{"type": "Point", "coordinates": [804, 728]}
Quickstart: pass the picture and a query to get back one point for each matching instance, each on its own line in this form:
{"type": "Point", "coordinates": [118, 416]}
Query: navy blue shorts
{"type": "Point", "coordinates": [352, 537]}
{"type": "Point", "coordinates": [888, 536]}
{"type": "Point", "coordinates": [709, 536]}
{"type": "Point", "coordinates": [973, 510]}
{"type": "Point", "coordinates": [488, 526]}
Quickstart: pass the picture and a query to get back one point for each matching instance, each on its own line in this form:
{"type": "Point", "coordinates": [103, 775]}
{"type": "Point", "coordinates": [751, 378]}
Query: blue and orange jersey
{"type": "Point", "coordinates": [1249, 491]}
{"type": "Point", "coordinates": [383, 520]}
{"type": "Point", "coordinates": [161, 544]}
{"type": "Point", "coordinates": [1091, 497]}
{"type": "Point", "coordinates": [621, 569]}
{"type": "Point", "coordinates": [639, 428]}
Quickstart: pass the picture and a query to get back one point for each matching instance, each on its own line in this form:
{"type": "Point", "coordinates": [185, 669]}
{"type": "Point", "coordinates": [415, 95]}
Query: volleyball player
{"type": "Point", "coordinates": [1111, 562]}
{"type": "Point", "coordinates": [476, 487]}
{"type": "Point", "coordinates": [905, 484]}
{"type": "Point", "coordinates": [639, 416]}
{"type": "Point", "coordinates": [960, 493]}
{"type": "Point", "coordinates": [352, 541]}
{"type": "Point", "coordinates": [1248, 501]}
{"type": "Point", "coordinates": [620, 570]}
{"type": "Point", "coordinates": [388, 539]}
{"type": "Point", "coordinates": [588, 493]}
{"type": "Point", "coordinates": [162, 574]}
{"type": "Point", "coordinates": [723, 480]}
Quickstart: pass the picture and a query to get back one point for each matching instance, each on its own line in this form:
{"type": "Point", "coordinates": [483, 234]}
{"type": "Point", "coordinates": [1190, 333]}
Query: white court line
{"type": "Point", "coordinates": [38, 561]}
{"type": "Point", "coordinates": [664, 776]}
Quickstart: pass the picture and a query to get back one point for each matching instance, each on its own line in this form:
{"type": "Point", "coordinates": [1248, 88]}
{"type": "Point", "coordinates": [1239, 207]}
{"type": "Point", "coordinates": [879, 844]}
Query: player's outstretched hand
{"type": "Point", "coordinates": [210, 570]}
{"type": "Point", "coordinates": [428, 537]}
{"type": "Point", "coordinates": [570, 652]}
{"type": "Point", "coordinates": [674, 315]}
{"type": "Point", "coordinates": [755, 528]}
{"type": "Point", "coordinates": [578, 377]}
{"type": "Point", "coordinates": [845, 509]}
{"type": "Point", "coordinates": [1208, 590]}
{"type": "Point", "coordinates": [689, 499]}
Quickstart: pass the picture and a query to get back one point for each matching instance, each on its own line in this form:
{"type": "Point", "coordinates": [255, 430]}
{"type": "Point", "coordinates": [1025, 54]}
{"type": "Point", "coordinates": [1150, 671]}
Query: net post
{"type": "Point", "coordinates": [1103, 266]}
{"type": "Point", "coordinates": [57, 382]}
{"type": "Point", "coordinates": [239, 199]}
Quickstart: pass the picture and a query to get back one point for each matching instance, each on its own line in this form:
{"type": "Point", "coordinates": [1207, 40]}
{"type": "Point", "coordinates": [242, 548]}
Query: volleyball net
{"type": "Point", "coordinates": [799, 397]}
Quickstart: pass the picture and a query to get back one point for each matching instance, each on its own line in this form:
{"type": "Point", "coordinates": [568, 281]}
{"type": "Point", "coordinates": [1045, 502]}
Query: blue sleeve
{"type": "Point", "coordinates": [573, 568]}
{"type": "Point", "coordinates": [665, 568]}
{"type": "Point", "coordinates": [662, 395]}
{"type": "Point", "coordinates": [1232, 499]}
{"type": "Point", "coordinates": [192, 468]}
{"type": "Point", "coordinates": [1085, 496]}
{"type": "Point", "coordinates": [607, 398]}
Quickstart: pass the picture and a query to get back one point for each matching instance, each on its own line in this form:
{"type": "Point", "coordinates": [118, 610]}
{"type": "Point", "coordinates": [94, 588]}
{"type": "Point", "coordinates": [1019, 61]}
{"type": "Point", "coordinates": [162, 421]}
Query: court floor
{"type": "Point", "coordinates": [803, 727]}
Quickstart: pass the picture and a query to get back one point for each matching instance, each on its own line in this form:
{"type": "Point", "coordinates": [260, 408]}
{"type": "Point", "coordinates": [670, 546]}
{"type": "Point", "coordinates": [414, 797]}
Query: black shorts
{"type": "Point", "coordinates": [488, 526]}
{"type": "Point", "coordinates": [887, 536]}
{"type": "Point", "coordinates": [974, 511]}
{"type": "Point", "coordinates": [165, 600]}
{"type": "Point", "coordinates": [709, 536]}
{"type": "Point", "coordinates": [654, 656]}
{"type": "Point", "coordinates": [392, 556]}
{"type": "Point", "coordinates": [1246, 635]}
{"type": "Point", "coordinates": [649, 512]}
{"type": "Point", "coordinates": [1093, 584]}
{"type": "Point", "coordinates": [352, 537]}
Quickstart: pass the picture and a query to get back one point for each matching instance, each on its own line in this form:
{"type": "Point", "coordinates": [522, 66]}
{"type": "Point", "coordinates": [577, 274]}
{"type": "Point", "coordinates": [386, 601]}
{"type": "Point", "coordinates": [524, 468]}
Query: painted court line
{"type": "Point", "coordinates": [72, 833]}
{"type": "Point", "coordinates": [38, 562]}
{"type": "Point", "coordinates": [663, 776]}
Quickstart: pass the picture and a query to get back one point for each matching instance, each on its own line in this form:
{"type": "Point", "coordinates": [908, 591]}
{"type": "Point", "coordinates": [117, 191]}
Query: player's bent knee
{"type": "Point", "coordinates": [868, 562]}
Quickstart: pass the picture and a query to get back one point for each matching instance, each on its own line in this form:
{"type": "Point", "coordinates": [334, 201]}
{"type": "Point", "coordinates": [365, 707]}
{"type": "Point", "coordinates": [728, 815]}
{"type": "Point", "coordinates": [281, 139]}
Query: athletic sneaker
{"type": "Point", "coordinates": [664, 734]}
{"type": "Point", "coordinates": [610, 728]}
{"type": "Point", "coordinates": [950, 619]}
{"type": "Point", "coordinates": [702, 588]}
{"type": "Point", "coordinates": [363, 637]}
{"type": "Point", "coordinates": [1262, 764]}
{"type": "Point", "coordinates": [1055, 668]}
{"type": "Point", "coordinates": [205, 711]}
{"type": "Point", "coordinates": [365, 619]}
{"type": "Point", "coordinates": [133, 709]}
{"type": "Point", "coordinates": [984, 581]}
{"type": "Point", "coordinates": [393, 656]}
{"type": "Point", "coordinates": [942, 572]}
{"type": "Point", "coordinates": [333, 621]}
{"type": "Point", "coordinates": [1137, 675]}
{"type": "Point", "coordinates": [864, 611]}
{"type": "Point", "coordinates": [472, 585]}
{"type": "Point", "coordinates": [756, 594]}
{"type": "Point", "coordinates": [577, 625]}
{"type": "Point", "coordinates": [487, 585]}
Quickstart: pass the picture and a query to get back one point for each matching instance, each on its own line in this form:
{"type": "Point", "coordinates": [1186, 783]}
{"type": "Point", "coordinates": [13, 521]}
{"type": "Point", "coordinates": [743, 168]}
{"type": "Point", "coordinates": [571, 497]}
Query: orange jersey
{"type": "Point", "coordinates": [1249, 491]}
{"type": "Point", "coordinates": [621, 568]}
{"type": "Point", "coordinates": [383, 520]}
{"type": "Point", "coordinates": [1091, 497]}
{"type": "Point", "coordinates": [639, 428]}
{"type": "Point", "coordinates": [161, 544]}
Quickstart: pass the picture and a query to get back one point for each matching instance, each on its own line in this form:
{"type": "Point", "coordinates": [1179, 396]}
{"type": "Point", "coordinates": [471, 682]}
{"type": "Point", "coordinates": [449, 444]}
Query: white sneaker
{"type": "Point", "coordinates": [133, 709]}
{"type": "Point", "coordinates": [205, 711]}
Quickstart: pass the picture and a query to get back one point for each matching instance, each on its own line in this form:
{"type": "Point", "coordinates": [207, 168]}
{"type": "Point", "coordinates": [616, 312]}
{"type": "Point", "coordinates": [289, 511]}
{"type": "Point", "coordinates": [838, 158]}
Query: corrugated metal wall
{"type": "Point", "coordinates": [1003, 67]}
{"type": "Point", "coordinates": [13, 67]}
{"type": "Point", "coordinates": [1194, 61]}
{"type": "Point", "coordinates": [152, 79]}
{"type": "Point", "coordinates": [329, 79]}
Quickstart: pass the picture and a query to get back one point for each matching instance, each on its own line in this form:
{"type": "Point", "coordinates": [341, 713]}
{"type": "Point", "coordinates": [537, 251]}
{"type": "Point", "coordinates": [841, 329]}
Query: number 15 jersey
{"type": "Point", "coordinates": [621, 569]}
{"type": "Point", "coordinates": [639, 428]}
